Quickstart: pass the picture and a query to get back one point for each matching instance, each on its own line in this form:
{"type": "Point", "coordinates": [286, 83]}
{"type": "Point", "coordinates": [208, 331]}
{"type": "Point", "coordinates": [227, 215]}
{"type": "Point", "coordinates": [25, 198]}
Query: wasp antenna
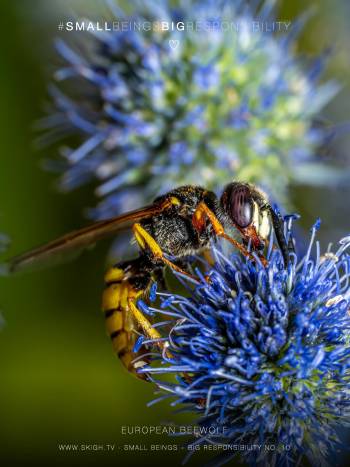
{"type": "Point", "coordinates": [277, 222]}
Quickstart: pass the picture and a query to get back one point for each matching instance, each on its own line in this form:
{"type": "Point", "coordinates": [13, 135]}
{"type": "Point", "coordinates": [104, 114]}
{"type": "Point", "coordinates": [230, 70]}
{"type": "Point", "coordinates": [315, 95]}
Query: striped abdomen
{"type": "Point", "coordinates": [120, 324]}
{"type": "Point", "coordinates": [119, 307]}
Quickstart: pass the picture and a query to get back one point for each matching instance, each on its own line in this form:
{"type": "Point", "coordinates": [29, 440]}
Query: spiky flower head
{"type": "Point", "coordinates": [262, 354]}
{"type": "Point", "coordinates": [150, 108]}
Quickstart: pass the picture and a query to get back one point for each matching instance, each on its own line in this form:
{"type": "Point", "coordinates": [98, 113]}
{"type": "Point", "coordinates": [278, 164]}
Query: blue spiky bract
{"type": "Point", "coordinates": [262, 354]}
{"type": "Point", "coordinates": [228, 102]}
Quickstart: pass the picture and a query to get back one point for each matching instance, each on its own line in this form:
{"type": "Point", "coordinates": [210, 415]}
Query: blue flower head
{"type": "Point", "coordinates": [262, 354]}
{"type": "Point", "coordinates": [139, 117]}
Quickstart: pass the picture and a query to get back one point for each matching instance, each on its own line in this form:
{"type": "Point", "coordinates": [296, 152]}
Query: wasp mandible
{"type": "Point", "coordinates": [177, 225]}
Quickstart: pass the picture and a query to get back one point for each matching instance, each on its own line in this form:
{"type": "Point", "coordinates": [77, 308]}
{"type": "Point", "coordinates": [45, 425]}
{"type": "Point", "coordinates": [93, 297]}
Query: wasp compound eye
{"type": "Point", "coordinates": [238, 204]}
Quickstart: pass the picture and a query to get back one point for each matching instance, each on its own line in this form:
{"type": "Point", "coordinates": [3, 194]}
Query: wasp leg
{"type": "Point", "coordinates": [160, 277]}
{"type": "Point", "coordinates": [208, 257]}
{"type": "Point", "coordinates": [199, 217]}
{"type": "Point", "coordinates": [126, 283]}
{"type": "Point", "coordinates": [145, 240]}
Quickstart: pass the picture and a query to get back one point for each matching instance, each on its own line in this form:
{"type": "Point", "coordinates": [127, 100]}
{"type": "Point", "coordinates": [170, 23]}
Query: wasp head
{"type": "Point", "coordinates": [245, 207]}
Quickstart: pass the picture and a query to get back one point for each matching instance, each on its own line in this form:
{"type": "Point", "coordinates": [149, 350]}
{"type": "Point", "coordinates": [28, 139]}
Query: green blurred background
{"type": "Point", "coordinates": [60, 382]}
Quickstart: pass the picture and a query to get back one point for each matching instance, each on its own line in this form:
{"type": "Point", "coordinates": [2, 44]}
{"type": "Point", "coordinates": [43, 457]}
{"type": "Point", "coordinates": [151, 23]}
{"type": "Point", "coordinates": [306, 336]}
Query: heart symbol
{"type": "Point", "coordinates": [173, 43]}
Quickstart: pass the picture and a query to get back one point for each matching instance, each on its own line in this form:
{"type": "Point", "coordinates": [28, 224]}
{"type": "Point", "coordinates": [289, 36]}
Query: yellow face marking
{"type": "Point", "coordinates": [265, 225]}
{"type": "Point", "coordinates": [261, 222]}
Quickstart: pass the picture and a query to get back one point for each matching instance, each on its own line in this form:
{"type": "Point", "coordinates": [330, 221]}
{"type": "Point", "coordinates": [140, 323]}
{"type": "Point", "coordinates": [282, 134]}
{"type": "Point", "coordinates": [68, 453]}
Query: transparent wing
{"type": "Point", "coordinates": [73, 243]}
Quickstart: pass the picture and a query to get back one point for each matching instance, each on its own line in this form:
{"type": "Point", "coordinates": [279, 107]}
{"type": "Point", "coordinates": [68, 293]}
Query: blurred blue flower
{"type": "Point", "coordinates": [4, 242]}
{"type": "Point", "coordinates": [139, 117]}
{"type": "Point", "coordinates": [262, 354]}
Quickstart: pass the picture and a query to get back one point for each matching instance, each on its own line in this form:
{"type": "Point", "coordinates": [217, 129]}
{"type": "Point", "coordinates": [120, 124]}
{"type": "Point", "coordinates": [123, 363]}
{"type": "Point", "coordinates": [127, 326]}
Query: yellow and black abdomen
{"type": "Point", "coordinates": [125, 284]}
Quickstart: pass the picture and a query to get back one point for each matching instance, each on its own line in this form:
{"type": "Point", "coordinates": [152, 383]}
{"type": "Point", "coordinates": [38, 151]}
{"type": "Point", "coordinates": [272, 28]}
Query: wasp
{"type": "Point", "coordinates": [168, 232]}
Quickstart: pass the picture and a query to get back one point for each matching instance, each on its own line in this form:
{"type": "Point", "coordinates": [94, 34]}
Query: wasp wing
{"type": "Point", "coordinates": [74, 242]}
